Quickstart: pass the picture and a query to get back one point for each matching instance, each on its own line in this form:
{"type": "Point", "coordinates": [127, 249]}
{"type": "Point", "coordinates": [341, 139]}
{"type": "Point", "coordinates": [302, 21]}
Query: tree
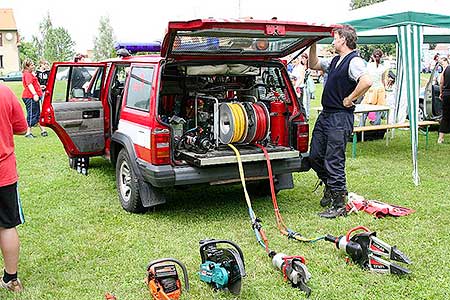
{"type": "Point", "coordinates": [367, 50]}
{"type": "Point", "coordinates": [53, 44]}
{"type": "Point", "coordinates": [354, 4]}
{"type": "Point", "coordinates": [39, 40]}
{"type": "Point", "coordinates": [104, 42]}
{"type": "Point", "coordinates": [27, 50]}
{"type": "Point", "coordinates": [58, 45]}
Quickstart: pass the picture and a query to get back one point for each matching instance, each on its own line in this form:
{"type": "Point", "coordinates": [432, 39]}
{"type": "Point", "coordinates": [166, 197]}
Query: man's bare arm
{"type": "Point", "coordinates": [313, 60]}
{"type": "Point", "coordinates": [364, 83]}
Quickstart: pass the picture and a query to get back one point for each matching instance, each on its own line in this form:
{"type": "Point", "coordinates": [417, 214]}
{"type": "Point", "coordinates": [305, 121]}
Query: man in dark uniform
{"type": "Point", "coordinates": [80, 76]}
{"type": "Point", "coordinates": [347, 81]}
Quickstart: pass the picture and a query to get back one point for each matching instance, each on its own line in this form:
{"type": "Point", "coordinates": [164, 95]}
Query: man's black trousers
{"type": "Point", "coordinates": [327, 152]}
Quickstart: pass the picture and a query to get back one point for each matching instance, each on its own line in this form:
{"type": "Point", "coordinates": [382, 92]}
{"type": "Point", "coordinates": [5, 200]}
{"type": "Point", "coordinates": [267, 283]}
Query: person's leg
{"type": "Point", "coordinates": [440, 138]}
{"type": "Point", "coordinates": [444, 126]}
{"type": "Point", "coordinates": [378, 115]}
{"type": "Point", "coordinates": [381, 100]}
{"type": "Point", "coordinates": [9, 243]}
{"type": "Point", "coordinates": [28, 106]}
{"type": "Point", "coordinates": [316, 157]}
{"type": "Point", "coordinates": [307, 104]}
{"type": "Point", "coordinates": [318, 148]}
{"type": "Point", "coordinates": [10, 217]}
{"type": "Point", "coordinates": [37, 109]}
{"type": "Point", "coordinates": [362, 120]}
{"type": "Point", "coordinates": [341, 126]}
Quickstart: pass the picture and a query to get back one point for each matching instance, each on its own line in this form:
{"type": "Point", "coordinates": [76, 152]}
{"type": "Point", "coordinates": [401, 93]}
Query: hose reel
{"type": "Point", "coordinates": [243, 122]}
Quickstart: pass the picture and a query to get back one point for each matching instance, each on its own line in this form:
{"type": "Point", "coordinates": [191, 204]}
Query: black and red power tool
{"type": "Point", "coordinates": [366, 250]}
{"type": "Point", "coordinates": [163, 281]}
{"type": "Point", "coordinates": [294, 269]}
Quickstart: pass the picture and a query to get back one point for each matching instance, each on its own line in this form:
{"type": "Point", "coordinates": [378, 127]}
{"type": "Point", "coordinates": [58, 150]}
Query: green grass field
{"type": "Point", "coordinates": [78, 243]}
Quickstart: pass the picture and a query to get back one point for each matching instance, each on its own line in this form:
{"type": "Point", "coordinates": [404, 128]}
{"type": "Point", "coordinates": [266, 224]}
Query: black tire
{"type": "Point", "coordinates": [127, 184]}
{"type": "Point", "coordinates": [421, 115]}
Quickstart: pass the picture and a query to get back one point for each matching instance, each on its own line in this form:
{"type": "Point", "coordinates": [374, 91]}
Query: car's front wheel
{"type": "Point", "coordinates": [127, 184]}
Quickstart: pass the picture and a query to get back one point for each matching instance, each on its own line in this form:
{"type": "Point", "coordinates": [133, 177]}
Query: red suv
{"type": "Point", "coordinates": [165, 120]}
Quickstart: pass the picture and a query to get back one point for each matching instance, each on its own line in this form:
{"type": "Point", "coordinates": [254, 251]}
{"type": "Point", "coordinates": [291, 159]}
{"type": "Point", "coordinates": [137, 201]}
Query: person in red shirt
{"type": "Point", "coordinates": [12, 121]}
{"type": "Point", "coordinates": [31, 95]}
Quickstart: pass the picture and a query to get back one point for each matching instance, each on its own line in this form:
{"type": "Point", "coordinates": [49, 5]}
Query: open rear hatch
{"type": "Point", "coordinates": [236, 37]}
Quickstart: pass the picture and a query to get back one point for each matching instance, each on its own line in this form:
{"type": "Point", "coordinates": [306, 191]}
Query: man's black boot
{"type": "Point", "coordinates": [337, 206]}
{"type": "Point", "coordinates": [327, 198]}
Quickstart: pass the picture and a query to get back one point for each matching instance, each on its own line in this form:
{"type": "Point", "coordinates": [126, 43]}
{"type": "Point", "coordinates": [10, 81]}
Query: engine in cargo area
{"type": "Point", "coordinates": [210, 106]}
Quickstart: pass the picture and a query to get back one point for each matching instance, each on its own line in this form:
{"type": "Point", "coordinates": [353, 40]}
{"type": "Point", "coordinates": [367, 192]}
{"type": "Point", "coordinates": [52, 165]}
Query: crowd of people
{"type": "Point", "coordinates": [382, 91]}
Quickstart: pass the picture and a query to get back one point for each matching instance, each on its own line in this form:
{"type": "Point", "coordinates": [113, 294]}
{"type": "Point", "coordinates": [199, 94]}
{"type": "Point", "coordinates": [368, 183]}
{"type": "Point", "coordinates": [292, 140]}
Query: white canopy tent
{"type": "Point", "coordinates": [409, 24]}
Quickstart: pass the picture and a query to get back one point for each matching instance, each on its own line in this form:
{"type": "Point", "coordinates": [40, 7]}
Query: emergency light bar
{"type": "Point", "coordinates": [139, 47]}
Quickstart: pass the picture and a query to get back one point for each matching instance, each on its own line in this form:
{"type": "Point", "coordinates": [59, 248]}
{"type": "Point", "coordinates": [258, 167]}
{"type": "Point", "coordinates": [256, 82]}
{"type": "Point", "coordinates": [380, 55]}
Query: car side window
{"type": "Point", "coordinates": [140, 88]}
{"type": "Point", "coordinates": [77, 83]}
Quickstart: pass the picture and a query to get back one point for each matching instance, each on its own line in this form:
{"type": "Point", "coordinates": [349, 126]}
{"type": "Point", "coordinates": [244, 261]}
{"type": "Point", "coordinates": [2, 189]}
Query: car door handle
{"type": "Point", "coordinates": [70, 123]}
{"type": "Point", "coordinates": [90, 114]}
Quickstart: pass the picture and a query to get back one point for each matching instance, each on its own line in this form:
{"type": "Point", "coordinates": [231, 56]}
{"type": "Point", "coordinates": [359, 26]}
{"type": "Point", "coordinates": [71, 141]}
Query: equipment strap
{"type": "Point", "coordinates": [256, 225]}
{"type": "Point", "coordinates": [279, 219]}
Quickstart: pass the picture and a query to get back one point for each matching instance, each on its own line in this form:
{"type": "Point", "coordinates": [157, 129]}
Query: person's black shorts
{"type": "Point", "coordinates": [10, 209]}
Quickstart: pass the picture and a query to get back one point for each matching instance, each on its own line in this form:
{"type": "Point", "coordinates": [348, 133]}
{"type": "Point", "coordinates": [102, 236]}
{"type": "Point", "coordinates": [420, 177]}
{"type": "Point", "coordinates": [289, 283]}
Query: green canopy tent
{"type": "Point", "coordinates": [409, 18]}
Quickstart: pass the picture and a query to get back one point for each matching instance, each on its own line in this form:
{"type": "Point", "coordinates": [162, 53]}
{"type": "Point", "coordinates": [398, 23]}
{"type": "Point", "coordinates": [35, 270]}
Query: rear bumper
{"type": "Point", "coordinates": [164, 176]}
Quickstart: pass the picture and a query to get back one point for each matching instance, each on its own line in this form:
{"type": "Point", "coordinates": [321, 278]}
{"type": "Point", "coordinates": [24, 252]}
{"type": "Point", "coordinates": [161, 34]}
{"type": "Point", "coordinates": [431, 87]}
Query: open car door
{"type": "Point", "coordinates": [257, 39]}
{"type": "Point", "coordinates": [73, 107]}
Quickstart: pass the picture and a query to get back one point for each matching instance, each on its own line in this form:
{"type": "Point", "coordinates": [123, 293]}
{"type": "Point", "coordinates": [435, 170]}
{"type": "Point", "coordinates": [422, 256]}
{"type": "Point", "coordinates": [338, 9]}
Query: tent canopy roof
{"type": "Point", "coordinates": [376, 23]}
{"type": "Point", "coordinates": [398, 19]}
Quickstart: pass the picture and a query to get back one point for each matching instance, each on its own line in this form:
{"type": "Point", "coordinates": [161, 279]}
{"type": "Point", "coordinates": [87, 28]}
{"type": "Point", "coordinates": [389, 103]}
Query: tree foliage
{"type": "Point", "coordinates": [104, 42]}
{"type": "Point", "coordinates": [52, 44]}
{"type": "Point", "coordinates": [27, 50]}
{"type": "Point", "coordinates": [58, 45]}
{"type": "Point", "coordinates": [367, 50]}
{"type": "Point", "coordinates": [354, 4]}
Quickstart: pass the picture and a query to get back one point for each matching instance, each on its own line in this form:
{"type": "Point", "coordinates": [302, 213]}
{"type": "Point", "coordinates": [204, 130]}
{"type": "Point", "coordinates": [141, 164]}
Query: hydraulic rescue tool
{"type": "Point", "coordinates": [366, 250]}
{"type": "Point", "coordinates": [222, 267]}
{"type": "Point", "coordinates": [293, 267]}
{"type": "Point", "coordinates": [163, 281]}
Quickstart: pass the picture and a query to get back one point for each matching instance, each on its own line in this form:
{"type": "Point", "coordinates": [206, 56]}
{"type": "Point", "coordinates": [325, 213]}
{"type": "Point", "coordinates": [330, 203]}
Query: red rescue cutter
{"type": "Point", "coordinates": [366, 250]}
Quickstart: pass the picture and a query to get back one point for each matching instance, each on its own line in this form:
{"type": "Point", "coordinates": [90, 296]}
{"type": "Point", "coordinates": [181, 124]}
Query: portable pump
{"type": "Point", "coordinates": [223, 268]}
{"type": "Point", "coordinates": [163, 281]}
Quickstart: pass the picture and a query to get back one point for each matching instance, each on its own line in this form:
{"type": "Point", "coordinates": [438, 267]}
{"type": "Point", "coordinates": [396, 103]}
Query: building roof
{"type": "Point", "coordinates": [7, 21]}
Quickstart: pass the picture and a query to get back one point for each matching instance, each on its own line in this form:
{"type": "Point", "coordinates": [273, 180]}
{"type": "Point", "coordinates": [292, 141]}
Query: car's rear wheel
{"type": "Point", "coordinates": [421, 113]}
{"type": "Point", "coordinates": [127, 184]}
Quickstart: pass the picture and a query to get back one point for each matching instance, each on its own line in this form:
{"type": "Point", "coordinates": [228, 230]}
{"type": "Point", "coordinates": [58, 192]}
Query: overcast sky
{"type": "Point", "coordinates": [142, 21]}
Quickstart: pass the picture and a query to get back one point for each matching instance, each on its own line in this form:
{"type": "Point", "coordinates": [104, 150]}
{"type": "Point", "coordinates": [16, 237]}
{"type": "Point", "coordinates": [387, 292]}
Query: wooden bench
{"type": "Point", "coordinates": [363, 129]}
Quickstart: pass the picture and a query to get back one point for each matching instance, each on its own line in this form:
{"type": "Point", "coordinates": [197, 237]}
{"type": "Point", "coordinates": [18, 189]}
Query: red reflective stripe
{"type": "Point", "coordinates": [142, 152]}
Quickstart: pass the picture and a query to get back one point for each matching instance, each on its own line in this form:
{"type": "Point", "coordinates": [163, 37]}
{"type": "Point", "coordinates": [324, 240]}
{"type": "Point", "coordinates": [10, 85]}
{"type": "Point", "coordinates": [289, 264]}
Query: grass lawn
{"type": "Point", "coordinates": [78, 243]}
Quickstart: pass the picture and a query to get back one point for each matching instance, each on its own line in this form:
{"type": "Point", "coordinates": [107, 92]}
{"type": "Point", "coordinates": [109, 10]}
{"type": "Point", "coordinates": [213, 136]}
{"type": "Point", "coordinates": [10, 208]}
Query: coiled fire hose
{"type": "Point", "coordinates": [240, 129]}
